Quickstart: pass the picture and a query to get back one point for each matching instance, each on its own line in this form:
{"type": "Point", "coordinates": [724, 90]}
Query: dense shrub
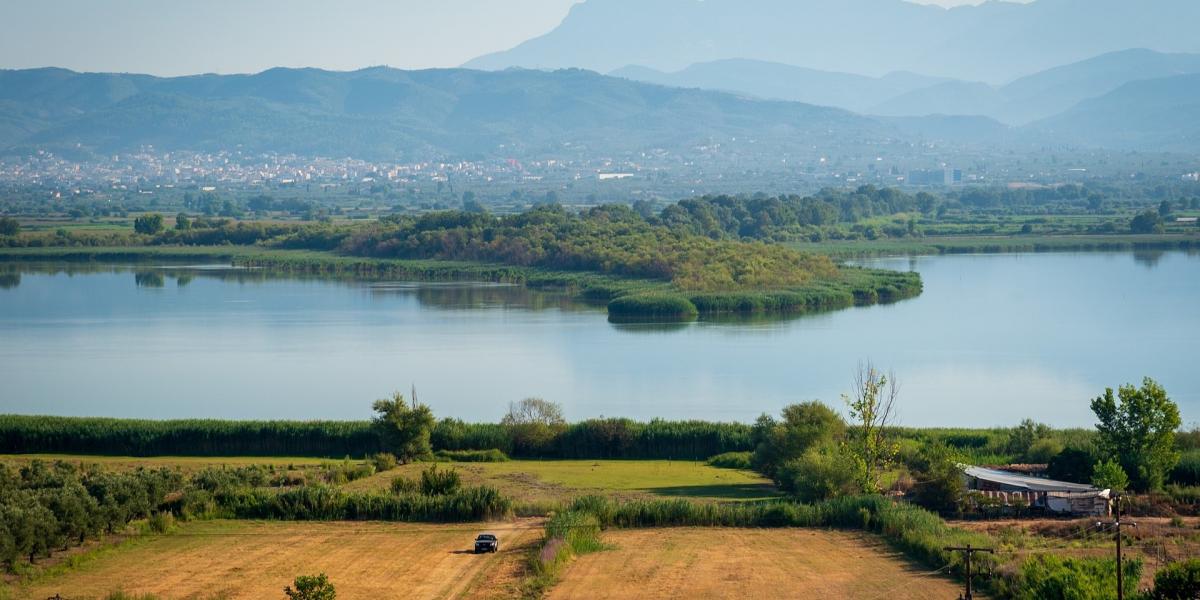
{"type": "Point", "coordinates": [311, 587]}
{"type": "Point", "coordinates": [492, 455]}
{"type": "Point", "coordinates": [731, 460]}
{"type": "Point", "coordinates": [1049, 576]}
{"type": "Point", "coordinates": [819, 474]}
{"type": "Point", "coordinates": [436, 482]}
{"type": "Point", "coordinates": [1178, 581]}
{"type": "Point", "coordinates": [383, 461]}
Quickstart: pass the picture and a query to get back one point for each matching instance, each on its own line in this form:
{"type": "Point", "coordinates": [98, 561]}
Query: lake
{"type": "Point", "coordinates": [992, 340]}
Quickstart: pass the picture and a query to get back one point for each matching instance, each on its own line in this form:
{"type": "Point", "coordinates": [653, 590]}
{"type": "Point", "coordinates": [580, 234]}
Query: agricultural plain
{"type": "Point", "coordinates": [742, 563]}
{"type": "Point", "coordinates": [251, 560]}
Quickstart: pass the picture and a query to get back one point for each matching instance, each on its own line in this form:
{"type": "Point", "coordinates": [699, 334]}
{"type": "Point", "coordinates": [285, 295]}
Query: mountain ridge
{"type": "Point", "coordinates": [993, 42]}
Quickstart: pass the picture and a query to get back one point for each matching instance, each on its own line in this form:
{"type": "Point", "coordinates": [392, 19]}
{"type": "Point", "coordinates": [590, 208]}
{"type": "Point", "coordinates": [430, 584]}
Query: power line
{"type": "Point", "coordinates": [969, 552]}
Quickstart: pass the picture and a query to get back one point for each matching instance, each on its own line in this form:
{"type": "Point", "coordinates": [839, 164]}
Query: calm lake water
{"type": "Point", "coordinates": [994, 339]}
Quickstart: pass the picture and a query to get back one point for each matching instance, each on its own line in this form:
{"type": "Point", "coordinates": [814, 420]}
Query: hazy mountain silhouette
{"type": "Point", "coordinates": [1154, 114]}
{"type": "Point", "coordinates": [388, 113]}
{"type": "Point", "coordinates": [785, 82]}
{"type": "Point", "coordinates": [993, 42]}
{"type": "Point", "coordinates": [1042, 94]}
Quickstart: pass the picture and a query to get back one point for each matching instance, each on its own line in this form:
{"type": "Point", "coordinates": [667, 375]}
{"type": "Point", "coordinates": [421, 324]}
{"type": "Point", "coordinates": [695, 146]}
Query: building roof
{"type": "Point", "coordinates": [1027, 482]}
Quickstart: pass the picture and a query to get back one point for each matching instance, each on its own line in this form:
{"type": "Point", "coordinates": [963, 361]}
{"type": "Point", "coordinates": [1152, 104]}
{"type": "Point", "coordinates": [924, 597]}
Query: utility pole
{"type": "Point", "coordinates": [969, 552]}
{"type": "Point", "coordinates": [1120, 571]}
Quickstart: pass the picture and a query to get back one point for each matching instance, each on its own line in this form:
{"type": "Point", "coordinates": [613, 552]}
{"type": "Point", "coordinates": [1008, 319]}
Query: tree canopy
{"type": "Point", "coordinates": [1137, 428]}
{"type": "Point", "coordinates": [405, 430]}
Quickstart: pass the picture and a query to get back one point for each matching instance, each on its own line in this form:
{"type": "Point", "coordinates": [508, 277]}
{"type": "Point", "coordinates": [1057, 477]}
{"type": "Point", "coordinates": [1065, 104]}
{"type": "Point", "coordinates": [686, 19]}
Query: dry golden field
{"type": "Point", "coordinates": [255, 560]}
{"type": "Point", "coordinates": [747, 563]}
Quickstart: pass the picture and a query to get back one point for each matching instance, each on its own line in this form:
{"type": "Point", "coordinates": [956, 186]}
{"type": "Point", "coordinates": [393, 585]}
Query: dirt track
{"type": "Point", "coordinates": [741, 563]}
{"type": "Point", "coordinates": [256, 560]}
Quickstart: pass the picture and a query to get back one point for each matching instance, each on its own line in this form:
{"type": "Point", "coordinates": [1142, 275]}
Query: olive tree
{"type": "Point", "coordinates": [1137, 428]}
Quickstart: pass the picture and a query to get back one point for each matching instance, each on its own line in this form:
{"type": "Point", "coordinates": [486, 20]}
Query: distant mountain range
{"type": "Point", "coordinates": [1020, 102]}
{"type": "Point", "coordinates": [1154, 114]}
{"type": "Point", "coordinates": [994, 42]}
{"type": "Point", "coordinates": [382, 113]}
{"type": "Point", "coordinates": [390, 114]}
{"type": "Point", "coordinates": [778, 81]}
{"type": "Point", "coordinates": [1043, 94]}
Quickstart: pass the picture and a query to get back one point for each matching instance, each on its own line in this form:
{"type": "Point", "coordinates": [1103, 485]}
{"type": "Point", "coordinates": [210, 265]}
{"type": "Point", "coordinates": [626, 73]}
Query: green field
{"type": "Point", "coordinates": [557, 480]}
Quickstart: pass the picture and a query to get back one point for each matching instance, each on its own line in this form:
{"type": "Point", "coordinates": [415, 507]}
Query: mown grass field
{"type": "Point", "coordinates": [742, 563]}
{"type": "Point", "coordinates": [555, 480]}
{"type": "Point", "coordinates": [533, 481]}
{"type": "Point", "coordinates": [254, 560]}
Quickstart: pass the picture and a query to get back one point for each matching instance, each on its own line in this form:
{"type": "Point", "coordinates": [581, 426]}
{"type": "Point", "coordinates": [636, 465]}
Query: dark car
{"type": "Point", "coordinates": [486, 542]}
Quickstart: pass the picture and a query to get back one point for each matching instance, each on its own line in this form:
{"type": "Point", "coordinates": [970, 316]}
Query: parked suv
{"type": "Point", "coordinates": [486, 542]}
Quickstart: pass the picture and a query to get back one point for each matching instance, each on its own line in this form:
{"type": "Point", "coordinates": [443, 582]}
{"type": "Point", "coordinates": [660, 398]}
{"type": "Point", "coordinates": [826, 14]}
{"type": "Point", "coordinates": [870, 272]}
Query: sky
{"type": "Point", "coordinates": [184, 37]}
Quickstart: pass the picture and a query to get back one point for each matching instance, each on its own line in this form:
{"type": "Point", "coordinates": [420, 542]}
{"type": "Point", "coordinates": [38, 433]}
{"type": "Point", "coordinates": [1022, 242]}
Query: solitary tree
{"type": "Point", "coordinates": [1137, 428]}
{"type": "Point", "coordinates": [804, 426]}
{"type": "Point", "coordinates": [182, 222]}
{"type": "Point", "coordinates": [532, 423]}
{"type": "Point", "coordinates": [872, 412]}
{"type": "Point", "coordinates": [148, 224]}
{"type": "Point", "coordinates": [405, 429]}
{"type": "Point", "coordinates": [311, 587]}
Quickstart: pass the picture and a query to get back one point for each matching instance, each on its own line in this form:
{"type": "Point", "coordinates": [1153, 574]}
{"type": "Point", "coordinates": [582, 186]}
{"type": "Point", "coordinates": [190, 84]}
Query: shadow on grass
{"type": "Point", "coordinates": [736, 491]}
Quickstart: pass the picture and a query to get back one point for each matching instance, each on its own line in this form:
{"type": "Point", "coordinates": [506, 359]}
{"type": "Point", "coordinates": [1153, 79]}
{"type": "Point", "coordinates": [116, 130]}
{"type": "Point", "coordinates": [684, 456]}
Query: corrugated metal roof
{"type": "Point", "coordinates": [1028, 482]}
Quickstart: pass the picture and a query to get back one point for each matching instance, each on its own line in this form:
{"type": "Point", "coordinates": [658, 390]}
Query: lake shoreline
{"type": "Point", "coordinates": [627, 299]}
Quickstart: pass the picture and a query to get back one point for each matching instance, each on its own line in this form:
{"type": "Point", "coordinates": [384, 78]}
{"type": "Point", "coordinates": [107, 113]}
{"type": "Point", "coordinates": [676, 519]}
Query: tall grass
{"type": "Point", "coordinates": [138, 437]}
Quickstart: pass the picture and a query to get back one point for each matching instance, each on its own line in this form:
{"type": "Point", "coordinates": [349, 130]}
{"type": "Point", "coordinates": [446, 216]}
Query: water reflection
{"type": "Point", "coordinates": [9, 280]}
{"type": "Point", "coordinates": [149, 279]}
{"type": "Point", "coordinates": [1148, 258]}
{"type": "Point", "coordinates": [994, 339]}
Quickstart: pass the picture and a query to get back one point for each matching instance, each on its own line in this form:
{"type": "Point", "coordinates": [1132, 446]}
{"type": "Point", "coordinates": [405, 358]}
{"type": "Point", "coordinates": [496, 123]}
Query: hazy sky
{"type": "Point", "coordinates": [174, 37]}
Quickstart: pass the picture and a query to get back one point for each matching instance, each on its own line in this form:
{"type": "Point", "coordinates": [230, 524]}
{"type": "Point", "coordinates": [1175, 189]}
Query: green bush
{"type": "Point", "coordinates": [819, 474]}
{"type": "Point", "coordinates": [1049, 576]}
{"type": "Point", "coordinates": [383, 461]}
{"type": "Point", "coordinates": [439, 483]}
{"type": "Point", "coordinates": [483, 456]}
{"type": "Point", "coordinates": [731, 460]}
{"type": "Point", "coordinates": [1178, 581]}
{"type": "Point", "coordinates": [310, 587]}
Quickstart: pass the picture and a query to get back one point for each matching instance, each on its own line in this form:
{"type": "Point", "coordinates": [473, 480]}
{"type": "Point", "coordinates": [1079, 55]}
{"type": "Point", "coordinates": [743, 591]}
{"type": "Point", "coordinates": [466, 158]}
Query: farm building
{"type": "Point", "coordinates": [1054, 496]}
